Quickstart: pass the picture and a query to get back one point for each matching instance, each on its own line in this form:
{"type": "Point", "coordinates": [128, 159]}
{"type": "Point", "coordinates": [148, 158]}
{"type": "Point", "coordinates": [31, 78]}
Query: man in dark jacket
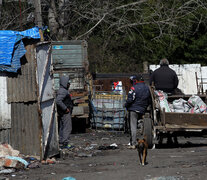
{"type": "Point", "coordinates": [164, 78]}
{"type": "Point", "coordinates": [64, 108]}
{"type": "Point", "coordinates": [137, 102]}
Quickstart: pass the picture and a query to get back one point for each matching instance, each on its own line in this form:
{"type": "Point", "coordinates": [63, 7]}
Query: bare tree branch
{"type": "Point", "coordinates": [90, 30]}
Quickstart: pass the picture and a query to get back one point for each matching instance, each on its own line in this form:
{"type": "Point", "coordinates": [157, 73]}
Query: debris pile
{"type": "Point", "coordinates": [193, 105]}
{"type": "Point", "coordinates": [11, 160]}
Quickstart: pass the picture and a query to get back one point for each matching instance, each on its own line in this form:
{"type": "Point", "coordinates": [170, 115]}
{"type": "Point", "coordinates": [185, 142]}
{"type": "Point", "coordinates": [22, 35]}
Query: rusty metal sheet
{"type": "Point", "coordinates": [44, 76]}
{"type": "Point", "coordinates": [30, 94]}
{"type": "Point", "coordinates": [77, 78]}
{"type": "Point", "coordinates": [26, 128]}
{"type": "Point", "coordinates": [186, 119]}
{"type": "Point", "coordinates": [70, 58]}
{"type": "Point", "coordinates": [69, 54]}
{"type": "Point", "coordinates": [46, 100]}
{"type": "Point", "coordinates": [21, 87]}
{"type": "Point", "coordinates": [5, 135]}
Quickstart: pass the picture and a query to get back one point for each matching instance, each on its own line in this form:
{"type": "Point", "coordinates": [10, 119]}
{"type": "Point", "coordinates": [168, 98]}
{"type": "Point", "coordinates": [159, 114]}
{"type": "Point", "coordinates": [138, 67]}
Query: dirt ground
{"type": "Point", "coordinates": [94, 159]}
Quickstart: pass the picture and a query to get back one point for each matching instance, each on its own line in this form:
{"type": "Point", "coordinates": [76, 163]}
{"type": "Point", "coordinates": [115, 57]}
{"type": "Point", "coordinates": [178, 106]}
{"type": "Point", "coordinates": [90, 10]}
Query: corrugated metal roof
{"type": "Point", "coordinates": [22, 87]}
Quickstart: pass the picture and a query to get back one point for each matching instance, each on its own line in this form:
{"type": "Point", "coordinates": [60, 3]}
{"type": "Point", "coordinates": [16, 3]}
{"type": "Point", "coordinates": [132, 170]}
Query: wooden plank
{"type": "Point", "coordinates": [185, 127]}
{"type": "Point", "coordinates": [186, 119]}
{"type": "Point", "coordinates": [83, 104]}
{"type": "Point", "coordinates": [78, 110]}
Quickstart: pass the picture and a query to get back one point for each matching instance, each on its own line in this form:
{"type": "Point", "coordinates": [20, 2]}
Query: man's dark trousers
{"type": "Point", "coordinates": [65, 128]}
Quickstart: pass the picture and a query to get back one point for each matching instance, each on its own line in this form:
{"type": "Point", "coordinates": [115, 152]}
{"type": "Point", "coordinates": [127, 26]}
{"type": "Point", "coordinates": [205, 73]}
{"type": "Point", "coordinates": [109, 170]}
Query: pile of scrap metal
{"type": "Point", "coordinates": [108, 99]}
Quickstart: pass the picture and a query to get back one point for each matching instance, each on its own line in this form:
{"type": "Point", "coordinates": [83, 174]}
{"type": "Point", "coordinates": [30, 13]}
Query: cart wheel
{"type": "Point", "coordinates": [148, 131]}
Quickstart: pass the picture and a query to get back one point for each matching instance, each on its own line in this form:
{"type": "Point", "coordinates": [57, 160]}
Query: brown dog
{"type": "Point", "coordinates": [142, 147]}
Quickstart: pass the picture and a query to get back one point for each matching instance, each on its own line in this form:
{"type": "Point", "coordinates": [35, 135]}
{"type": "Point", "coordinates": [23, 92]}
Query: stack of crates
{"type": "Point", "coordinates": [108, 110]}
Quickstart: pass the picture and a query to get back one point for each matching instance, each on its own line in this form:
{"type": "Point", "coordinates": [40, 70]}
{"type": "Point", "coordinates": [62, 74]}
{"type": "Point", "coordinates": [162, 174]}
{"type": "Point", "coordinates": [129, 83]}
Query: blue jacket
{"type": "Point", "coordinates": [139, 98]}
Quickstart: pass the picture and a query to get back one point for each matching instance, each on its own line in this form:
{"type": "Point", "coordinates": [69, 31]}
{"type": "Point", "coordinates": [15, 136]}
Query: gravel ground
{"type": "Point", "coordinates": [94, 159]}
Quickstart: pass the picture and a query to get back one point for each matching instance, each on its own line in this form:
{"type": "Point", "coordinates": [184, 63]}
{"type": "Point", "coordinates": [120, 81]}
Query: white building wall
{"type": "Point", "coordinates": [5, 108]}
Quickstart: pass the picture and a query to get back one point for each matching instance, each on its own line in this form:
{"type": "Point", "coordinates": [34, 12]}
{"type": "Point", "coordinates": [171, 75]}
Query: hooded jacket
{"type": "Point", "coordinates": [138, 98]}
{"type": "Point", "coordinates": [63, 99]}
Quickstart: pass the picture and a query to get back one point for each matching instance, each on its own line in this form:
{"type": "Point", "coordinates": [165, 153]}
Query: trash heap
{"type": "Point", "coordinates": [11, 160]}
{"type": "Point", "coordinates": [193, 105]}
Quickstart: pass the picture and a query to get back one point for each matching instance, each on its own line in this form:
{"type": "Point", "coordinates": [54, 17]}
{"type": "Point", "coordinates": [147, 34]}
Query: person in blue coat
{"type": "Point", "coordinates": [138, 99]}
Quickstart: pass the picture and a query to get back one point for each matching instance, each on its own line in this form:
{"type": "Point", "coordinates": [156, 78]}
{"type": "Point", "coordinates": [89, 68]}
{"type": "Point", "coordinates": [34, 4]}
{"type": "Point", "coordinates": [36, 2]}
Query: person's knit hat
{"type": "Point", "coordinates": [137, 77]}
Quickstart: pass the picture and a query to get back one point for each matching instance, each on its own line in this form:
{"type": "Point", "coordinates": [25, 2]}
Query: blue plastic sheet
{"type": "Point", "coordinates": [68, 178]}
{"type": "Point", "coordinates": [18, 159]}
{"type": "Point", "coordinates": [19, 51]}
{"type": "Point", "coordinates": [12, 47]}
{"type": "Point", "coordinates": [30, 33]}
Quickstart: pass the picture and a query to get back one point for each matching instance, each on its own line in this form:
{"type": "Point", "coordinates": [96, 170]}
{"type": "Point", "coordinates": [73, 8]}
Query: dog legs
{"type": "Point", "coordinates": [144, 157]}
{"type": "Point", "coordinates": [140, 158]}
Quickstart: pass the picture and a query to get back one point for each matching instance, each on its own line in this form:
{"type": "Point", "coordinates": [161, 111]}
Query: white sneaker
{"type": "Point", "coordinates": [131, 147]}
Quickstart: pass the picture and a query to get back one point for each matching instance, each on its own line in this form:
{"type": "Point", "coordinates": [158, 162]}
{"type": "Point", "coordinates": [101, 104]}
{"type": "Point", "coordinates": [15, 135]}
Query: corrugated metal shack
{"type": "Point", "coordinates": [28, 117]}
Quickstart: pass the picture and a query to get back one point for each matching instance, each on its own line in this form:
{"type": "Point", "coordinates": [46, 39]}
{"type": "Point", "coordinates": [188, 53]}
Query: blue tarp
{"type": "Point", "coordinates": [12, 48]}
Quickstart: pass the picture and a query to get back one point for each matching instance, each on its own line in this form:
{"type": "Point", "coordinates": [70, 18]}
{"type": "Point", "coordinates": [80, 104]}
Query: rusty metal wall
{"type": "Point", "coordinates": [69, 54]}
{"type": "Point", "coordinates": [46, 99]}
{"type": "Point", "coordinates": [26, 130]}
{"type": "Point", "coordinates": [70, 58]}
{"type": "Point", "coordinates": [25, 135]}
{"type": "Point", "coordinates": [5, 135]}
{"type": "Point", "coordinates": [22, 87]}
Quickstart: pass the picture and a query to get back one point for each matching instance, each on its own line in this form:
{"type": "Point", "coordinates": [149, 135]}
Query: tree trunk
{"type": "Point", "coordinates": [0, 7]}
{"type": "Point", "coordinates": [52, 19]}
{"type": "Point", "coordinates": [61, 32]}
